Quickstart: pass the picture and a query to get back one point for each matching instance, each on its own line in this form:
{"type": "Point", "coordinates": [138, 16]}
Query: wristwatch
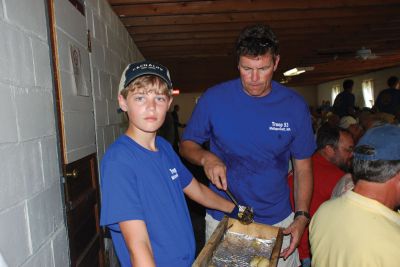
{"type": "Point", "coordinates": [302, 213]}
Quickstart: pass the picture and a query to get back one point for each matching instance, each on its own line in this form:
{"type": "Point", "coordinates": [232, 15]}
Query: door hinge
{"type": "Point", "coordinates": [89, 42]}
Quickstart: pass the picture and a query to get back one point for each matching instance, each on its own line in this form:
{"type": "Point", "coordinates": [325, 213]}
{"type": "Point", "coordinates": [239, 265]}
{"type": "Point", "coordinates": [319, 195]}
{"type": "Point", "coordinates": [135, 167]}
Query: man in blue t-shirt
{"type": "Point", "coordinates": [345, 101]}
{"type": "Point", "coordinates": [388, 100]}
{"type": "Point", "coordinates": [254, 125]}
{"type": "Point", "coordinates": [143, 180]}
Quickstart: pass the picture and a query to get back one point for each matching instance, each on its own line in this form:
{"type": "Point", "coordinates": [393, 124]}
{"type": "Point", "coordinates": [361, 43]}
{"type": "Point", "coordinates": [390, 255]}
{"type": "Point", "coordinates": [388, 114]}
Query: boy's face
{"type": "Point", "coordinates": [146, 109]}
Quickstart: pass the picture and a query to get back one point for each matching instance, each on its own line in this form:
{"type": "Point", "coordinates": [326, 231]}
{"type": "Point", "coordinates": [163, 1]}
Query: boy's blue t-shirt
{"type": "Point", "coordinates": [254, 137]}
{"type": "Point", "coordinates": [139, 184]}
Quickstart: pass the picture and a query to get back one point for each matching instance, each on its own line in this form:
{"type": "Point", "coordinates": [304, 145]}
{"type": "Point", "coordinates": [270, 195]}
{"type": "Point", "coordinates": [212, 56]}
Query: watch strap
{"type": "Point", "coordinates": [302, 213]}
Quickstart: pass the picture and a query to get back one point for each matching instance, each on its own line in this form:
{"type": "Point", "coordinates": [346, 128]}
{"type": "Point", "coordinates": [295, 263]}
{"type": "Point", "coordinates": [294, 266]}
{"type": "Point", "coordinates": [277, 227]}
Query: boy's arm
{"type": "Point", "coordinates": [138, 243]}
{"type": "Point", "coordinates": [204, 196]}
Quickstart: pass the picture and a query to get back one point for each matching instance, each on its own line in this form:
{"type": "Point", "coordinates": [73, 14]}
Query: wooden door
{"type": "Point", "coordinates": [76, 128]}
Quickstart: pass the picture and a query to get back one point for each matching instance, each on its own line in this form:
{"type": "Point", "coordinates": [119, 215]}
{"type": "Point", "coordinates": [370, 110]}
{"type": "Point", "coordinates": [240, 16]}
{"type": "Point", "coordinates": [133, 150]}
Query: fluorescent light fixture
{"type": "Point", "coordinates": [297, 71]}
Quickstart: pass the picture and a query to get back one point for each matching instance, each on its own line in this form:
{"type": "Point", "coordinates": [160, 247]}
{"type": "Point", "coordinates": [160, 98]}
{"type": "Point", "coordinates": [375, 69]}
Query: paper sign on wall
{"type": "Point", "coordinates": [80, 83]}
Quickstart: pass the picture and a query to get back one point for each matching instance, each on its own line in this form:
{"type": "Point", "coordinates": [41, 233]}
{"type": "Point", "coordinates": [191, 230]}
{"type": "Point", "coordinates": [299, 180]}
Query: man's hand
{"type": "Point", "coordinates": [296, 230]}
{"type": "Point", "coordinates": [215, 170]}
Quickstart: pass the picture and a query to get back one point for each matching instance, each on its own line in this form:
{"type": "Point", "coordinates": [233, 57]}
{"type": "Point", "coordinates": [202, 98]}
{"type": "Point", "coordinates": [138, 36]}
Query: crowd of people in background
{"type": "Point", "coordinates": [340, 130]}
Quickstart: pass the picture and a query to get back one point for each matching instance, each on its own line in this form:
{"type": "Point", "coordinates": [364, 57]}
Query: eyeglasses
{"type": "Point", "coordinates": [347, 149]}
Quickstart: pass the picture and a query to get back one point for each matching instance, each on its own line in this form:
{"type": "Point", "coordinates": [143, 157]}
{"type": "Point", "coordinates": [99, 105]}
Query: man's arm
{"type": "Point", "coordinates": [303, 188]}
{"type": "Point", "coordinates": [214, 168]}
{"type": "Point", "coordinates": [138, 242]}
{"type": "Point", "coordinates": [206, 197]}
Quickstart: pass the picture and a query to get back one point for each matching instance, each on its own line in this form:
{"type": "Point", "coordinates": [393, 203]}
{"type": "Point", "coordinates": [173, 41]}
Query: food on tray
{"type": "Point", "coordinates": [246, 216]}
{"type": "Point", "coordinates": [258, 261]}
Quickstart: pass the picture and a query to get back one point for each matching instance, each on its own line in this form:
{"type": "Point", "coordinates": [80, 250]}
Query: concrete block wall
{"type": "Point", "coordinates": [112, 50]}
{"type": "Point", "coordinates": [32, 227]}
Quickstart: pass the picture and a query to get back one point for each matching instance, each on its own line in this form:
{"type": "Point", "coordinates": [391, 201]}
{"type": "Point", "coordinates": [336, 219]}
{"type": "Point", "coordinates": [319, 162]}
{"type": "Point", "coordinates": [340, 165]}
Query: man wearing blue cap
{"type": "Point", "coordinates": [362, 227]}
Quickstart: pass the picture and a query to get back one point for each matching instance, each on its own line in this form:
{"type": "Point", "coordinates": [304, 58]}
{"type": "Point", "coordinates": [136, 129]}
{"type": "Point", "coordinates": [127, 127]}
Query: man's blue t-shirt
{"type": "Point", "coordinates": [254, 137]}
{"type": "Point", "coordinates": [388, 101]}
{"type": "Point", "coordinates": [139, 184]}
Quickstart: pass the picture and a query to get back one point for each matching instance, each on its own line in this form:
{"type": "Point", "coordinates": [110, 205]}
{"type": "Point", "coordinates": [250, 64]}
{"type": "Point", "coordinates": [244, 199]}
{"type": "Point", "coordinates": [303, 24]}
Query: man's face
{"type": "Point", "coordinates": [343, 153]}
{"type": "Point", "coordinates": [256, 73]}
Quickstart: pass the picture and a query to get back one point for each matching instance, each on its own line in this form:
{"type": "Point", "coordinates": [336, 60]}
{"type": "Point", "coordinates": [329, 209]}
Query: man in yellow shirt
{"type": "Point", "coordinates": [362, 227]}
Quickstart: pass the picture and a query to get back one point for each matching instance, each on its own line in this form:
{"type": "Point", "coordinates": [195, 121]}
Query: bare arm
{"type": "Point", "coordinates": [138, 242]}
{"type": "Point", "coordinates": [214, 168]}
{"type": "Point", "coordinates": [204, 196]}
{"type": "Point", "coordinates": [303, 188]}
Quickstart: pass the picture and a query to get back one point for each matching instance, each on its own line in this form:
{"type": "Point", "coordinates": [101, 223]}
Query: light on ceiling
{"type": "Point", "coordinates": [297, 71]}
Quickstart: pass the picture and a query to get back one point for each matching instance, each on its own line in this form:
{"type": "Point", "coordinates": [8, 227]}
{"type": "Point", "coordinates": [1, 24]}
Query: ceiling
{"type": "Point", "coordinates": [195, 39]}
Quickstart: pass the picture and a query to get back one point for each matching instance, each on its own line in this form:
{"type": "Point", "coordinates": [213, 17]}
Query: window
{"type": "Point", "coordinates": [368, 92]}
{"type": "Point", "coordinates": [335, 92]}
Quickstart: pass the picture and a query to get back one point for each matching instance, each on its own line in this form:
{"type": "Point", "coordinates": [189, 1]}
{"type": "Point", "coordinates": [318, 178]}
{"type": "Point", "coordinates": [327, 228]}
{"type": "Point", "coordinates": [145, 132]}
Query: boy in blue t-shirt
{"type": "Point", "coordinates": [143, 180]}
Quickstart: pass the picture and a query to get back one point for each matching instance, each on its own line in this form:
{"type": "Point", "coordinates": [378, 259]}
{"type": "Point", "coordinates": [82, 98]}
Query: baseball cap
{"type": "Point", "coordinates": [135, 70]}
{"type": "Point", "coordinates": [346, 121]}
{"type": "Point", "coordinates": [379, 143]}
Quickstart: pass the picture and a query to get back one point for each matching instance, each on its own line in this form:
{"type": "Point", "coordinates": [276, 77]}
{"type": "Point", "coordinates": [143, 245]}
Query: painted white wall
{"type": "Point", "coordinates": [380, 83]}
{"type": "Point", "coordinates": [32, 228]}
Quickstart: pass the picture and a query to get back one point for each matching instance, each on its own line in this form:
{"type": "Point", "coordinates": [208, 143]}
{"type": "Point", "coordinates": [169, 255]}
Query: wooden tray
{"type": "Point", "coordinates": [256, 230]}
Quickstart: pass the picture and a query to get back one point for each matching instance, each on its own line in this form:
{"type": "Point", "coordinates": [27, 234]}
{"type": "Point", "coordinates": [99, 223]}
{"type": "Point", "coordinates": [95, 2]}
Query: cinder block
{"type": "Point", "coordinates": [35, 115]}
{"type": "Point", "coordinates": [93, 5]}
{"type": "Point", "coordinates": [100, 112]}
{"type": "Point", "coordinates": [109, 136]}
{"type": "Point", "coordinates": [105, 11]}
{"type": "Point", "coordinates": [32, 162]}
{"type": "Point", "coordinates": [16, 60]}
{"type": "Point", "coordinates": [112, 107]}
{"type": "Point", "coordinates": [8, 117]}
{"type": "Point", "coordinates": [1, 11]}
{"type": "Point", "coordinates": [97, 55]}
{"type": "Point", "coordinates": [71, 21]}
{"type": "Point", "coordinates": [12, 183]}
{"type": "Point", "coordinates": [61, 248]}
{"type": "Point", "coordinates": [14, 241]}
{"type": "Point", "coordinates": [41, 62]}
{"type": "Point", "coordinates": [95, 82]}
{"type": "Point", "coordinates": [44, 215]}
{"type": "Point", "coordinates": [105, 85]}
{"type": "Point", "coordinates": [50, 160]}
{"type": "Point", "coordinates": [71, 100]}
{"type": "Point", "coordinates": [41, 258]}
{"type": "Point", "coordinates": [115, 85]}
{"type": "Point", "coordinates": [100, 143]}
{"type": "Point", "coordinates": [29, 15]}
{"type": "Point", "coordinates": [99, 29]}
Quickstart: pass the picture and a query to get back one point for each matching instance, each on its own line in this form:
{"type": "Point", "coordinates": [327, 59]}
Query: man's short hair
{"type": "Point", "coordinates": [329, 135]}
{"type": "Point", "coordinates": [377, 155]}
{"type": "Point", "coordinates": [348, 84]}
{"type": "Point", "coordinates": [257, 40]}
{"type": "Point", "coordinates": [392, 81]}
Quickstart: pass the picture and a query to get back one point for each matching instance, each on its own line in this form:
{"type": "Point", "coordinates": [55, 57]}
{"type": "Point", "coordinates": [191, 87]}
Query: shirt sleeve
{"type": "Point", "coordinates": [198, 128]}
{"type": "Point", "coordinates": [303, 145]}
{"type": "Point", "coordinates": [120, 196]}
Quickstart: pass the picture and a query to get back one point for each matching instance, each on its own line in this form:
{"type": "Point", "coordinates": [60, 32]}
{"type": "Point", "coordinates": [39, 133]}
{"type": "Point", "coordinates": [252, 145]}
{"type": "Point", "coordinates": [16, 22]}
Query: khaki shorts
{"type": "Point", "coordinates": [292, 261]}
